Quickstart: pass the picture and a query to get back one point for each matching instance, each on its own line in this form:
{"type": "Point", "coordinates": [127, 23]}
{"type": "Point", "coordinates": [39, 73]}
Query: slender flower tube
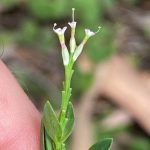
{"type": "Point", "coordinates": [65, 54]}
{"type": "Point", "coordinates": [88, 34]}
{"type": "Point", "coordinates": [73, 28]}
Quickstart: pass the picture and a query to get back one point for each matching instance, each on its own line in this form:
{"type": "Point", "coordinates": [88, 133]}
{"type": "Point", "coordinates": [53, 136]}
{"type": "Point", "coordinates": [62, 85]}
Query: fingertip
{"type": "Point", "coordinates": [20, 120]}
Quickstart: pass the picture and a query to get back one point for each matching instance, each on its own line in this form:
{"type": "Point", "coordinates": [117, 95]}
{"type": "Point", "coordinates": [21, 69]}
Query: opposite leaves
{"type": "Point", "coordinates": [104, 144]}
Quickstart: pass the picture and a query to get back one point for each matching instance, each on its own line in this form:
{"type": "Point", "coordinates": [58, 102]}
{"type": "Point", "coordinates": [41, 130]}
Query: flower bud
{"type": "Point", "coordinates": [65, 54]}
{"type": "Point", "coordinates": [73, 27]}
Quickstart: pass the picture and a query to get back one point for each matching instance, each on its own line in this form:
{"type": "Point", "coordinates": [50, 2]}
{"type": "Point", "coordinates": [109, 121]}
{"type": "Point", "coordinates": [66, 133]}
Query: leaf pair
{"type": "Point", "coordinates": [104, 144]}
{"type": "Point", "coordinates": [51, 129]}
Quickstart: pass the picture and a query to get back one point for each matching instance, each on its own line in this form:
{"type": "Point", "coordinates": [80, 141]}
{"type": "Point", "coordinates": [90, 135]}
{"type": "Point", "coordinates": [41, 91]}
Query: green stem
{"type": "Point", "coordinates": [66, 94]}
{"type": "Point", "coordinates": [58, 146]}
{"type": "Point", "coordinates": [66, 91]}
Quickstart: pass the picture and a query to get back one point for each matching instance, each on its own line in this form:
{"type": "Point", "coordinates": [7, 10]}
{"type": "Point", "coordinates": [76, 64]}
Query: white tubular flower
{"type": "Point", "coordinates": [73, 27]}
{"type": "Point", "coordinates": [88, 34]}
{"type": "Point", "coordinates": [60, 32]}
{"type": "Point", "coordinates": [72, 24]}
{"type": "Point", "coordinates": [65, 54]}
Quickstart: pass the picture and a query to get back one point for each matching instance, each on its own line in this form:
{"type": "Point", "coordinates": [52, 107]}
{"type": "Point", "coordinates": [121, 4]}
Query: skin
{"type": "Point", "coordinates": [19, 119]}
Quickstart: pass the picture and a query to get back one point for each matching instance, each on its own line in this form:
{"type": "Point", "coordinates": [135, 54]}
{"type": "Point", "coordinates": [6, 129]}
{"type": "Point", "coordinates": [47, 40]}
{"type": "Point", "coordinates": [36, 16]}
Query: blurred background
{"type": "Point", "coordinates": [111, 83]}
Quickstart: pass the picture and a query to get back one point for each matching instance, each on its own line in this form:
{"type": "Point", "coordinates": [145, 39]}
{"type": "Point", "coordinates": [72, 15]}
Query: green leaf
{"type": "Point", "coordinates": [51, 123]}
{"type": "Point", "coordinates": [70, 121]}
{"type": "Point", "coordinates": [104, 144]}
{"type": "Point", "coordinates": [42, 137]}
{"type": "Point", "coordinates": [48, 142]}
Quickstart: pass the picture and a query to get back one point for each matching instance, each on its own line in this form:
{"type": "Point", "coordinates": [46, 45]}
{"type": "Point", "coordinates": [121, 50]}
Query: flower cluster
{"type": "Point", "coordinates": [75, 50]}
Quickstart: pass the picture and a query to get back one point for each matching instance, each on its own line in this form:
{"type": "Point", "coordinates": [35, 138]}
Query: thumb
{"type": "Point", "coordinates": [19, 119]}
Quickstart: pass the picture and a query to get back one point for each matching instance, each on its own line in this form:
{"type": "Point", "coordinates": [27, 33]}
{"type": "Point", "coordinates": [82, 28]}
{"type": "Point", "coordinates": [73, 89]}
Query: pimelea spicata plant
{"type": "Point", "coordinates": [55, 130]}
